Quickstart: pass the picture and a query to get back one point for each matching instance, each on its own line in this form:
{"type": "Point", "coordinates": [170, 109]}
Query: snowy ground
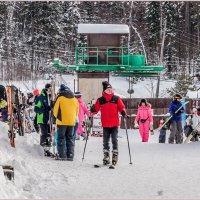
{"type": "Point", "coordinates": [159, 171]}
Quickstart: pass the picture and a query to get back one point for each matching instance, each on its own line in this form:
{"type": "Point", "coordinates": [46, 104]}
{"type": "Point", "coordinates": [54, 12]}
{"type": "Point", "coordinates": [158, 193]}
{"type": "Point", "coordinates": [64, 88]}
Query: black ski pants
{"type": "Point", "coordinates": [35, 124]}
{"type": "Point", "coordinates": [65, 143]}
{"type": "Point", "coordinates": [45, 137]}
{"type": "Point", "coordinates": [107, 133]}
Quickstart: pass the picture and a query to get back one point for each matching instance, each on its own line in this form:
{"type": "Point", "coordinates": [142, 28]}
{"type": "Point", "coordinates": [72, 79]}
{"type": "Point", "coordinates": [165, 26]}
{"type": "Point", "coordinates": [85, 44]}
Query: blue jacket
{"type": "Point", "coordinates": [42, 108]}
{"type": "Point", "coordinates": [173, 107]}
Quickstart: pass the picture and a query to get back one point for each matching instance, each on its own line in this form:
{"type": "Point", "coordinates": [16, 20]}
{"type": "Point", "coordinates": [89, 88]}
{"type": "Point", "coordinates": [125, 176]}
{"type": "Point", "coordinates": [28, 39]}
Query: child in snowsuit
{"type": "Point", "coordinates": [163, 130]}
{"type": "Point", "coordinates": [82, 112]}
{"type": "Point", "coordinates": [144, 119]}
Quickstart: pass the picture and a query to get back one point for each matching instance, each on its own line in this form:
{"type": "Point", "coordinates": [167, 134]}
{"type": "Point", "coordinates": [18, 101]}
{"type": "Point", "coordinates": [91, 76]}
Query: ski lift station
{"type": "Point", "coordinates": [106, 51]}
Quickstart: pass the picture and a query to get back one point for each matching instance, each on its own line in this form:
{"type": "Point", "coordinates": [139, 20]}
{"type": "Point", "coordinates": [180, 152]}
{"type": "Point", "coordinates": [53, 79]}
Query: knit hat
{"type": "Point", "coordinates": [106, 85]}
{"type": "Point", "coordinates": [63, 87]}
{"type": "Point", "coordinates": [36, 92]}
{"type": "Point", "coordinates": [77, 94]}
{"type": "Point", "coordinates": [48, 85]}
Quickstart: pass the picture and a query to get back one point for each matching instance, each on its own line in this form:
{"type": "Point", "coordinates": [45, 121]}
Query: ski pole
{"type": "Point", "coordinates": [88, 131]}
{"type": "Point", "coordinates": [128, 141]}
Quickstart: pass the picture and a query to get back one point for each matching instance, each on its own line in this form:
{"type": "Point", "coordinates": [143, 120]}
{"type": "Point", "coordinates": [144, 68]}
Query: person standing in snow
{"type": "Point", "coordinates": [176, 130]}
{"type": "Point", "coordinates": [192, 125]}
{"type": "Point", "coordinates": [36, 95]}
{"type": "Point", "coordinates": [65, 111]}
{"type": "Point", "coordinates": [109, 105]}
{"type": "Point", "coordinates": [163, 129]}
{"type": "Point", "coordinates": [144, 119]}
{"type": "Point", "coordinates": [82, 112]}
{"type": "Point", "coordinates": [43, 108]}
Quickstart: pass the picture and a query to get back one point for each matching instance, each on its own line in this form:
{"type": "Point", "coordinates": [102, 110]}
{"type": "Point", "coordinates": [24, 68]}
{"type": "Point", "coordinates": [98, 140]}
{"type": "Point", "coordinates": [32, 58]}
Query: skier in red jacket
{"type": "Point", "coordinates": [110, 105]}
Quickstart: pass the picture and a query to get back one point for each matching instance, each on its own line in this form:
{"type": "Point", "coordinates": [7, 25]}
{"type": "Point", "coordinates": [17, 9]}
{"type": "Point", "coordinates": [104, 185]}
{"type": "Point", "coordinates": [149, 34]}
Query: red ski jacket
{"type": "Point", "coordinates": [109, 105]}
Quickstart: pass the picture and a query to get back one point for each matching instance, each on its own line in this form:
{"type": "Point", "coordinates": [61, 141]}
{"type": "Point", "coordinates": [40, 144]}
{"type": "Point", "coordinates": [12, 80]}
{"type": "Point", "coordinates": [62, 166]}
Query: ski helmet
{"type": "Point", "coordinates": [177, 96]}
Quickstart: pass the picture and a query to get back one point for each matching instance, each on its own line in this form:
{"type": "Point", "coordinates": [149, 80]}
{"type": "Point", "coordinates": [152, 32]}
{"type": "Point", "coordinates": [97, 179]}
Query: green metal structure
{"type": "Point", "coordinates": [126, 65]}
{"type": "Point", "coordinates": [115, 59]}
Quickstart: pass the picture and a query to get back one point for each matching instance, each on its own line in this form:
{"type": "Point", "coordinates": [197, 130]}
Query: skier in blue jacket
{"type": "Point", "coordinates": [176, 130]}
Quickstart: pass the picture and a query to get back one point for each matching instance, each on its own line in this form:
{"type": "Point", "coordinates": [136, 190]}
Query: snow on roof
{"type": "Point", "coordinates": [103, 28]}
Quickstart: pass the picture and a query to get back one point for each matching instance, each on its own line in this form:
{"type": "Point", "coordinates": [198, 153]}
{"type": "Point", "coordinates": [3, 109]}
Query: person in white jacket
{"type": "Point", "coordinates": [194, 121]}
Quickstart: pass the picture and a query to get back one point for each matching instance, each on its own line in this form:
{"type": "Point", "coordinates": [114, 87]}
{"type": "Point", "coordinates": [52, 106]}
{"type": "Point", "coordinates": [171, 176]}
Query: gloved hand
{"type": "Point", "coordinates": [83, 123]}
{"type": "Point", "coordinates": [180, 112]}
{"type": "Point", "coordinates": [92, 109]}
{"type": "Point", "coordinates": [123, 113]}
{"type": "Point", "coordinates": [152, 132]}
{"type": "Point", "coordinates": [136, 125]}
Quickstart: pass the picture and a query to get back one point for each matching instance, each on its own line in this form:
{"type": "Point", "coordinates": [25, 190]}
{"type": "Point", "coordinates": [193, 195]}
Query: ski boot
{"type": "Point", "coordinates": [114, 157]}
{"type": "Point", "coordinates": [106, 159]}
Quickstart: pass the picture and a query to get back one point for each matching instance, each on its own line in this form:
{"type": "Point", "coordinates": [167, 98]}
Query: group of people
{"type": "Point", "coordinates": [67, 111]}
{"type": "Point", "coordinates": [175, 123]}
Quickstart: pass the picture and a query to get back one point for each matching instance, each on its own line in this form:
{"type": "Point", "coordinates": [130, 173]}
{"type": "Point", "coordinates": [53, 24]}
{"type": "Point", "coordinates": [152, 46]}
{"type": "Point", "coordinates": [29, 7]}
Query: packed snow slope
{"type": "Point", "coordinates": [159, 171]}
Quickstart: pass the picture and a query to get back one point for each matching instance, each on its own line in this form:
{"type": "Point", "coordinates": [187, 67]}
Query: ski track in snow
{"type": "Point", "coordinates": [158, 170]}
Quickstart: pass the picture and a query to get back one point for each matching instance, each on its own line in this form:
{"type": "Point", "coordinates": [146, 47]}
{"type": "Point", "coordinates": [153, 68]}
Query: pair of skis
{"type": "Point", "coordinates": [10, 112]}
{"type": "Point", "coordinates": [109, 166]}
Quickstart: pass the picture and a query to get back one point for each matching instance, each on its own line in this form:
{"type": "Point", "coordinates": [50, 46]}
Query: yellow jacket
{"type": "Point", "coordinates": [66, 109]}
